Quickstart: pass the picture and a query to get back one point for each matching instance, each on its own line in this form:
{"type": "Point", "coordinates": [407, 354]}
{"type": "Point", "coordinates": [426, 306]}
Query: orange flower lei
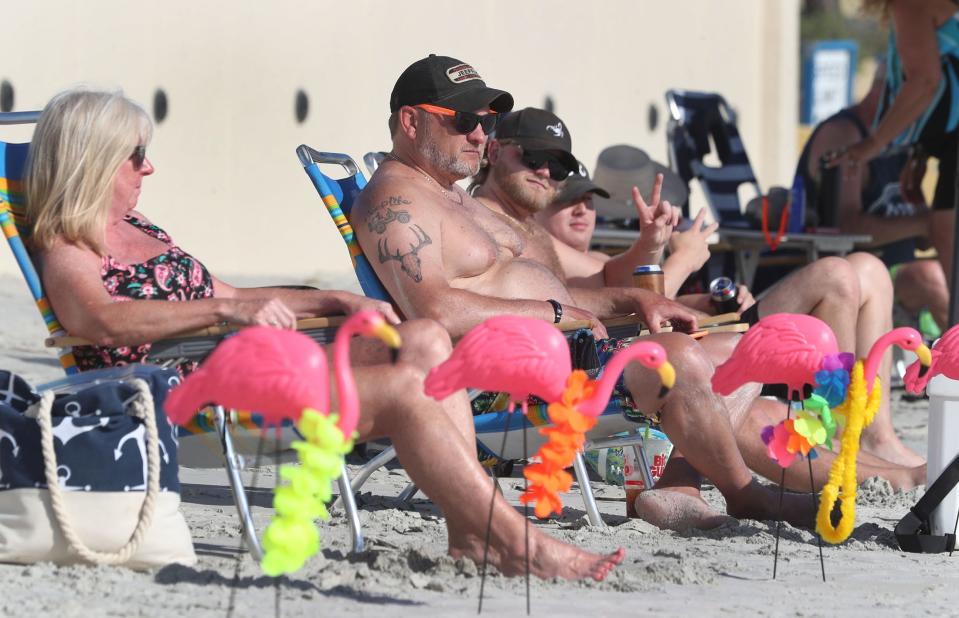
{"type": "Point", "coordinates": [565, 438]}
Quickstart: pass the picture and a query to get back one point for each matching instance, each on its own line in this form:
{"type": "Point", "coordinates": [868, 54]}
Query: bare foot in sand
{"type": "Point", "coordinates": [758, 501]}
{"type": "Point", "coordinates": [893, 451]}
{"type": "Point", "coordinates": [678, 508]}
{"type": "Point", "coordinates": [548, 557]}
{"type": "Point", "coordinates": [898, 477]}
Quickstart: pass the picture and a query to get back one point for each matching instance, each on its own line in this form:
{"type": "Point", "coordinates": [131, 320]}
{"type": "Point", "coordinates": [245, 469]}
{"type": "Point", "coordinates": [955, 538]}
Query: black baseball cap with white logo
{"type": "Point", "coordinates": [577, 185]}
{"type": "Point", "coordinates": [538, 129]}
{"type": "Point", "coordinates": [447, 82]}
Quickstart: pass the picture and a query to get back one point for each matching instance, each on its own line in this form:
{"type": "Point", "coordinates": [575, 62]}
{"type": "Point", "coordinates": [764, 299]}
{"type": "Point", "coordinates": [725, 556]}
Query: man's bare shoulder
{"type": "Point", "coordinates": [393, 195]}
{"type": "Point", "coordinates": [599, 256]}
{"type": "Point", "coordinates": [576, 264]}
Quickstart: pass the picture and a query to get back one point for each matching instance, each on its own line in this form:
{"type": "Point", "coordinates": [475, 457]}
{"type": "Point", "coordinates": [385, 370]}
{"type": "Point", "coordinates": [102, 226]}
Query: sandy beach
{"type": "Point", "coordinates": [405, 570]}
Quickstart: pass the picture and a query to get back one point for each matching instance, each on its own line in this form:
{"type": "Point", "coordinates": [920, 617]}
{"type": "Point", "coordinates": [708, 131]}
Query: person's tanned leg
{"type": "Point", "coordinates": [875, 320]}
{"type": "Point", "coordinates": [443, 464]}
{"type": "Point", "coordinates": [697, 422]}
{"type": "Point", "coordinates": [922, 285]}
{"type": "Point", "coordinates": [765, 412]}
{"type": "Point", "coordinates": [854, 297]}
{"type": "Point", "coordinates": [758, 413]}
{"type": "Point", "coordinates": [426, 344]}
{"type": "Point", "coordinates": [827, 289]}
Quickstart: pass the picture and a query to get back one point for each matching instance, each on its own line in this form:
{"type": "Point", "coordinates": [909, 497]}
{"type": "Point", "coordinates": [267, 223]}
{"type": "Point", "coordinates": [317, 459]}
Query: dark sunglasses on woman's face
{"type": "Point", "coordinates": [138, 157]}
{"type": "Point", "coordinates": [463, 122]}
{"type": "Point", "coordinates": [536, 159]}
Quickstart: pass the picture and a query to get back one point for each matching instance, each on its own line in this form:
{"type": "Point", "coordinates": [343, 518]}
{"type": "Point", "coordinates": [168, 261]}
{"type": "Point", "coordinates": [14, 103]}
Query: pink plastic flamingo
{"type": "Point", "coordinates": [907, 339]}
{"type": "Point", "coordinates": [523, 356]}
{"type": "Point", "coordinates": [944, 359]}
{"type": "Point", "coordinates": [278, 373]}
{"type": "Point", "coordinates": [860, 408]}
{"type": "Point", "coordinates": [783, 348]}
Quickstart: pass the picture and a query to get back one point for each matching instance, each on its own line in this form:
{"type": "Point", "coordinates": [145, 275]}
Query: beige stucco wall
{"type": "Point", "coordinates": [228, 185]}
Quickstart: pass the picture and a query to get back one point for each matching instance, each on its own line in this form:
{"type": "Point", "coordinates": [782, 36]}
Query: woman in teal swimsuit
{"type": "Point", "coordinates": [921, 101]}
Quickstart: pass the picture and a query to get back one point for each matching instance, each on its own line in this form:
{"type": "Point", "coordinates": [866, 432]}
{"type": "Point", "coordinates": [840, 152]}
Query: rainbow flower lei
{"type": "Point", "coordinates": [813, 425]}
{"type": "Point", "coordinates": [548, 479]}
{"type": "Point", "coordinates": [292, 537]}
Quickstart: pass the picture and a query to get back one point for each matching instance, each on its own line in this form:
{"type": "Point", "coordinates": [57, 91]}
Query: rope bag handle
{"type": "Point", "coordinates": [142, 408]}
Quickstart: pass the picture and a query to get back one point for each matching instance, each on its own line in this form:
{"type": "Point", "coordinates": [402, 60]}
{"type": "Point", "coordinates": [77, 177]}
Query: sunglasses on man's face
{"type": "Point", "coordinates": [536, 159]}
{"type": "Point", "coordinates": [138, 157]}
{"type": "Point", "coordinates": [463, 122]}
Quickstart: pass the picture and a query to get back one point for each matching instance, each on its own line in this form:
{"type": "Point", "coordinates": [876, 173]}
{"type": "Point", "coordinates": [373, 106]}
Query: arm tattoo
{"type": "Point", "coordinates": [409, 261]}
{"type": "Point", "coordinates": [383, 214]}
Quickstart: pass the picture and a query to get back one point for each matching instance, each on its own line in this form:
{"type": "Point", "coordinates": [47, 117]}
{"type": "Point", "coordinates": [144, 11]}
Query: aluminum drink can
{"type": "Point", "coordinates": [650, 277]}
{"type": "Point", "coordinates": [722, 291]}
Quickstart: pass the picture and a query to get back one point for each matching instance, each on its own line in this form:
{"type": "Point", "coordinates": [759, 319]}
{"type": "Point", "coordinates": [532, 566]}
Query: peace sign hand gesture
{"type": "Point", "coordinates": [656, 221]}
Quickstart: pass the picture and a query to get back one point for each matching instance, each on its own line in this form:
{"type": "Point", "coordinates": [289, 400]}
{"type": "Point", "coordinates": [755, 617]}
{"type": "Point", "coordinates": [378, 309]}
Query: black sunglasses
{"type": "Point", "coordinates": [138, 157]}
{"type": "Point", "coordinates": [464, 122]}
{"type": "Point", "coordinates": [536, 159]}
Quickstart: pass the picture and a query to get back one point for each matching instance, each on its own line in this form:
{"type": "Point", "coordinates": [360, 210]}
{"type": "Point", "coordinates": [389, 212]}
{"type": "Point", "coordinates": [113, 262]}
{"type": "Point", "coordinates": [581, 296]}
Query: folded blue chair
{"type": "Point", "coordinates": [700, 123]}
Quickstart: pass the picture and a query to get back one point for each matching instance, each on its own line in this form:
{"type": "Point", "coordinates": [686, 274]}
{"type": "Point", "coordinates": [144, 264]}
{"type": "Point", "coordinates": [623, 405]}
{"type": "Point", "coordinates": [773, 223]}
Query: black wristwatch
{"type": "Point", "coordinates": [557, 310]}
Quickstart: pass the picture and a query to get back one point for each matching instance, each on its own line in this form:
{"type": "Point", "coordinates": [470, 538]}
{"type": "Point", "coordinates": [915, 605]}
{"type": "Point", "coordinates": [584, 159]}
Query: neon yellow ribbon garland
{"type": "Point", "coordinates": [292, 537]}
{"type": "Point", "coordinates": [859, 409]}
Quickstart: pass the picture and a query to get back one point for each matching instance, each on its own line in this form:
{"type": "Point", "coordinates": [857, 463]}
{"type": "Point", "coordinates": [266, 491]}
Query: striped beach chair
{"type": "Point", "coordinates": [13, 221]}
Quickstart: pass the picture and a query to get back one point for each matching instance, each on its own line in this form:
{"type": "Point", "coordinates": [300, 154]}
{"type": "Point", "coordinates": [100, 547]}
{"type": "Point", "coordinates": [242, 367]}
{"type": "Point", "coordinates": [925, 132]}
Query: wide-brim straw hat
{"type": "Point", "coordinates": [619, 168]}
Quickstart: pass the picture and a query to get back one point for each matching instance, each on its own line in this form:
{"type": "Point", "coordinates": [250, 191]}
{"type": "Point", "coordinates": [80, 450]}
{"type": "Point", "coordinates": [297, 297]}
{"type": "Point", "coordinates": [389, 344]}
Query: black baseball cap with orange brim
{"type": "Point", "coordinates": [447, 82]}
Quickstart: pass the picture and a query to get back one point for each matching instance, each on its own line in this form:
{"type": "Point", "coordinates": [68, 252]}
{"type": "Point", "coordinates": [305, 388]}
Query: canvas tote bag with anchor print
{"type": "Point", "coordinates": [91, 476]}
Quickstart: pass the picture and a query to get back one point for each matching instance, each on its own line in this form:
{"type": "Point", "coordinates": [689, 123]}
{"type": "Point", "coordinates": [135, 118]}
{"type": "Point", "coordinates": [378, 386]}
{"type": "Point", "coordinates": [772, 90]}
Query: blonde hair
{"type": "Point", "coordinates": [81, 140]}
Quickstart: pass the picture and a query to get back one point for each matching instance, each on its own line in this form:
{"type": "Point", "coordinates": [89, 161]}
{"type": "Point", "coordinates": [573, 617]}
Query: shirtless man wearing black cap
{"type": "Point", "coordinates": [461, 259]}
{"type": "Point", "coordinates": [438, 97]}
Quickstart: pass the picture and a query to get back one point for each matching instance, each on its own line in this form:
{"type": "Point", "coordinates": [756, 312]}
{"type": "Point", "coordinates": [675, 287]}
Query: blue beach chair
{"type": "Point", "coordinates": [338, 196]}
{"type": "Point", "coordinates": [12, 159]}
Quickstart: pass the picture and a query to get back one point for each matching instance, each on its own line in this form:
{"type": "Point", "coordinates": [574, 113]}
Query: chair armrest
{"type": "Point", "coordinates": [210, 331]}
{"type": "Point", "coordinates": [619, 323]}
{"type": "Point", "coordinates": [739, 327]}
{"type": "Point", "coordinates": [726, 322]}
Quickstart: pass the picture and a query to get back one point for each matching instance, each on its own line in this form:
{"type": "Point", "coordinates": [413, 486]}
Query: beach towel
{"type": "Point", "coordinates": [111, 457]}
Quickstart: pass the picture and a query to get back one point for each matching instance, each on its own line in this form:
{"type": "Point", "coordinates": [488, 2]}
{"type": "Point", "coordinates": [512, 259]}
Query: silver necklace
{"type": "Point", "coordinates": [446, 192]}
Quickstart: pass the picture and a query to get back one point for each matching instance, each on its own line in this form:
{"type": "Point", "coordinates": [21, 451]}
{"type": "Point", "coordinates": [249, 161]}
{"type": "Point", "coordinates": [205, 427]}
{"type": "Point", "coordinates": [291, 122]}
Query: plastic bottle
{"type": "Point", "coordinates": [829, 188]}
{"type": "Point", "coordinates": [797, 206]}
